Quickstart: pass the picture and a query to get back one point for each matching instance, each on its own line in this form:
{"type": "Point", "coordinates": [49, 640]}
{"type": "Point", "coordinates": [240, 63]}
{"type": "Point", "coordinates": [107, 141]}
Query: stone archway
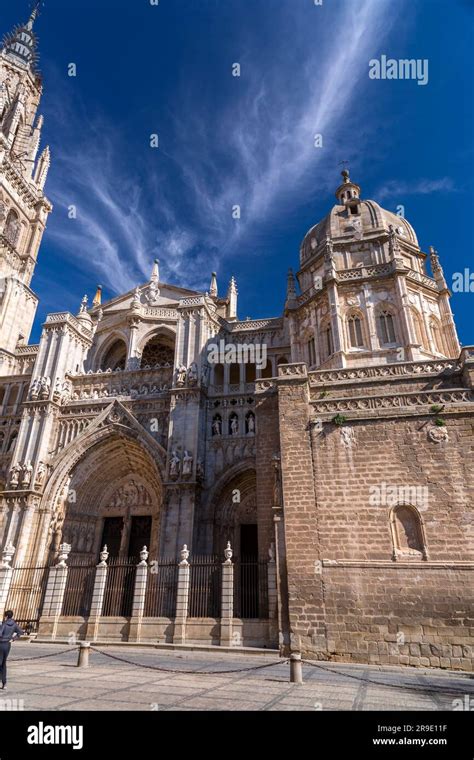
{"type": "Point", "coordinates": [235, 506]}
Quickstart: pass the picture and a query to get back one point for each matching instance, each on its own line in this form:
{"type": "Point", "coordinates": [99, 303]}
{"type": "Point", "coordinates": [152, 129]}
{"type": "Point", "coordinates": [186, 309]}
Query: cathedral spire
{"type": "Point", "coordinates": [232, 293]}
{"type": "Point", "coordinates": [21, 44]}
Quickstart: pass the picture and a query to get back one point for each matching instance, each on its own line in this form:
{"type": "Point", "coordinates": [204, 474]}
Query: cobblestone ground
{"type": "Point", "coordinates": [54, 683]}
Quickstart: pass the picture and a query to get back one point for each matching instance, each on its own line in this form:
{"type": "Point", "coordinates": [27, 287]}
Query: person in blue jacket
{"type": "Point", "coordinates": [9, 631]}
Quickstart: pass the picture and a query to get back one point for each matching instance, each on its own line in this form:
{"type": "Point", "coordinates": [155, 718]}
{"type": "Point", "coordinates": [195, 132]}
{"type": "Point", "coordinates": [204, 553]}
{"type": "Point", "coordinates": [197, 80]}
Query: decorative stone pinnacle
{"type": "Point", "coordinates": [64, 550]}
{"type": "Point", "coordinates": [104, 555]}
{"type": "Point", "coordinates": [7, 555]}
{"type": "Point", "coordinates": [144, 554]}
{"type": "Point", "coordinates": [228, 554]}
{"type": "Point", "coordinates": [184, 555]}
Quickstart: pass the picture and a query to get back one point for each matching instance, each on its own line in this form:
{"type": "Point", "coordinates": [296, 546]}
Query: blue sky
{"type": "Point", "coordinates": [247, 140]}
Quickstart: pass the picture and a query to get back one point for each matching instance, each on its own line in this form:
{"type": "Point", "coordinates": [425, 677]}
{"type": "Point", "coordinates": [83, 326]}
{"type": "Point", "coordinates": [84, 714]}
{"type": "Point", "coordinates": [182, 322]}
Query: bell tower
{"type": "Point", "coordinates": [24, 208]}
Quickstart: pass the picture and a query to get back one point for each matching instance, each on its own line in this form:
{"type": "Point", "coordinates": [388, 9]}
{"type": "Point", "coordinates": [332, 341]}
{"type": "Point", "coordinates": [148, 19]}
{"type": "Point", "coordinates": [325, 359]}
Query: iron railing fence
{"type": "Point", "coordinates": [251, 588]}
{"type": "Point", "coordinates": [119, 587]}
{"type": "Point", "coordinates": [79, 588]}
{"type": "Point", "coordinates": [161, 588]}
{"type": "Point", "coordinates": [205, 586]}
{"type": "Point", "coordinates": [26, 595]}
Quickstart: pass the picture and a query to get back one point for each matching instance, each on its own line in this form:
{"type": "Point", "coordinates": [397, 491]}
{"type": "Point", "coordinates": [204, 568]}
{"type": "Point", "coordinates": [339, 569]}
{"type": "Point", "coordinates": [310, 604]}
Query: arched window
{"type": "Point", "coordinates": [386, 328]}
{"type": "Point", "coordinates": [250, 373]}
{"type": "Point", "coordinates": [418, 327]}
{"type": "Point", "coordinates": [12, 441]}
{"type": "Point", "coordinates": [407, 533]}
{"type": "Point", "coordinates": [354, 331]}
{"type": "Point", "coordinates": [327, 345]}
{"type": "Point", "coordinates": [218, 374]}
{"type": "Point", "coordinates": [311, 352]}
{"type": "Point", "coordinates": [115, 357]}
{"type": "Point", "coordinates": [282, 360]}
{"type": "Point", "coordinates": [437, 336]}
{"type": "Point", "coordinates": [12, 228]}
{"type": "Point", "coordinates": [158, 351]}
{"type": "Point", "coordinates": [267, 371]}
{"type": "Point", "coordinates": [234, 374]}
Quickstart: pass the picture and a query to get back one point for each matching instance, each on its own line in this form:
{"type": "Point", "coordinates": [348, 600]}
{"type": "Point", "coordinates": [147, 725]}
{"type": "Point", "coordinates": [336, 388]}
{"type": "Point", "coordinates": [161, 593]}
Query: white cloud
{"type": "Point", "coordinates": [396, 189]}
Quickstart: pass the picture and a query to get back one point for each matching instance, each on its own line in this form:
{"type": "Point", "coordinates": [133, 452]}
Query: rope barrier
{"type": "Point", "coordinates": [42, 656]}
{"type": "Point", "coordinates": [189, 672]}
{"type": "Point", "coordinates": [384, 684]}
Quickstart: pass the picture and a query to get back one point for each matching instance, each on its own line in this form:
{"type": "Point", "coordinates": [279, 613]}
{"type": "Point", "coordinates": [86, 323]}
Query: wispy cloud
{"type": "Point", "coordinates": [397, 189]}
{"type": "Point", "coordinates": [258, 153]}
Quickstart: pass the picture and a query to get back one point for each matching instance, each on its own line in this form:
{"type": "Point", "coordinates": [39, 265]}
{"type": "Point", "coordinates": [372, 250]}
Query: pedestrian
{"type": "Point", "coordinates": [9, 631]}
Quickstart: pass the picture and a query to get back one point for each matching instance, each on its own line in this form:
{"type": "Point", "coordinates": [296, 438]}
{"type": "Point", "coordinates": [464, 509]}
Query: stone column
{"type": "Point", "coordinates": [54, 596]}
{"type": "Point", "coordinates": [138, 606]}
{"type": "Point", "coordinates": [98, 596]}
{"type": "Point", "coordinates": [227, 598]}
{"type": "Point", "coordinates": [182, 598]}
{"type": "Point", "coordinates": [6, 574]}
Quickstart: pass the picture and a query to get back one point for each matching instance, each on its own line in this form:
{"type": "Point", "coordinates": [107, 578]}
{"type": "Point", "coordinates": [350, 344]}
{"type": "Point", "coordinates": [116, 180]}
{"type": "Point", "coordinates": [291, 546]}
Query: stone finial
{"type": "Point", "coordinates": [98, 296]}
{"type": "Point", "coordinates": [290, 290]}
{"type": "Point", "coordinates": [213, 285]}
{"type": "Point", "coordinates": [64, 550]}
{"type": "Point", "coordinates": [184, 555]}
{"type": "Point", "coordinates": [228, 554]}
{"type": "Point", "coordinates": [155, 272]}
{"type": "Point", "coordinates": [104, 555]}
{"type": "Point", "coordinates": [83, 305]}
{"type": "Point", "coordinates": [232, 294]}
{"type": "Point", "coordinates": [144, 554]}
{"type": "Point", "coordinates": [7, 555]}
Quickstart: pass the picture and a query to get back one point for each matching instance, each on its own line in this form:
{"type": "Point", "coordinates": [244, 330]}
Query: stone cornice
{"type": "Point", "coordinates": [398, 564]}
{"type": "Point", "coordinates": [412, 403]}
{"type": "Point", "coordinates": [384, 372]}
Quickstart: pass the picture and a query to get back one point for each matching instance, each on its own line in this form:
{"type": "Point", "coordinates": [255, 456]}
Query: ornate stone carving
{"type": "Point", "coordinates": [438, 434]}
{"type": "Point", "coordinates": [228, 554]}
{"type": "Point", "coordinates": [187, 463]}
{"type": "Point", "coordinates": [181, 376]}
{"type": "Point", "coordinates": [15, 473]}
{"type": "Point", "coordinates": [144, 554]}
{"type": "Point", "coordinates": [175, 463]}
{"type": "Point", "coordinates": [7, 555]}
{"type": "Point", "coordinates": [104, 555]}
{"type": "Point", "coordinates": [184, 554]}
{"type": "Point", "coordinates": [64, 551]}
{"type": "Point", "coordinates": [192, 374]}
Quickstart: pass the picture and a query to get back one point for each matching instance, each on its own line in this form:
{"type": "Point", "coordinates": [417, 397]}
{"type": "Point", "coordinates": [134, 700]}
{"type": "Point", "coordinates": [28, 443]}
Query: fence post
{"type": "Point", "coordinates": [227, 598]}
{"type": "Point", "coordinates": [98, 596]}
{"type": "Point", "coordinates": [182, 598]}
{"type": "Point", "coordinates": [54, 595]}
{"type": "Point", "coordinates": [6, 574]}
{"type": "Point", "coordinates": [139, 596]}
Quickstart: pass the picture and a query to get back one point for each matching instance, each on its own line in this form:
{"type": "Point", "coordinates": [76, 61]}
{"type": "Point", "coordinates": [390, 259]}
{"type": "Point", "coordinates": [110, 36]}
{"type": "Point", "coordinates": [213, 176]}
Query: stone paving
{"type": "Point", "coordinates": [55, 683]}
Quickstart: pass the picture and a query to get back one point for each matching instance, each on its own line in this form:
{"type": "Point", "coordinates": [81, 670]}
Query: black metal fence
{"type": "Point", "coordinates": [26, 595]}
{"type": "Point", "coordinates": [250, 589]}
{"type": "Point", "coordinates": [79, 588]}
{"type": "Point", "coordinates": [205, 587]}
{"type": "Point", "coordinates": [161, 588]}
{"type": "Point", "coordinates": [119, 587]}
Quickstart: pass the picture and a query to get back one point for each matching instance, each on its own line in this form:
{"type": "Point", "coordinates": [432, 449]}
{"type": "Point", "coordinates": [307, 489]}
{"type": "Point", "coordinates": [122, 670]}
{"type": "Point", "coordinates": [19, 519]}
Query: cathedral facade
{"type": "Point", "coordinates": [330, 446]}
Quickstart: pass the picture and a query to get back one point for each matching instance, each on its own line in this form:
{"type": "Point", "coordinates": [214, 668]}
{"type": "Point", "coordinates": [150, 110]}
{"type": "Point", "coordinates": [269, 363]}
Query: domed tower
{"type": "Point", "coordinates": [366, 297]}
{"type": "Point", "coordinates": [24, 208]}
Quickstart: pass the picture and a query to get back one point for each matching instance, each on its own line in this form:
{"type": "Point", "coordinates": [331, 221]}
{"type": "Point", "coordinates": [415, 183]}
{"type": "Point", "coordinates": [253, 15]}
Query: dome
{"type": "Point", "coordinates": [353, 220]}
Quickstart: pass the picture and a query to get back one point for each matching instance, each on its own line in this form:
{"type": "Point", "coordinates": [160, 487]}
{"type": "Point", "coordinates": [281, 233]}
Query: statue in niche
{"type": "Point", "coordinates": [234, 425]}
{"type": "Point", "coordinates": [174, 464]}
{"type": "Point", "coordinates": [277, 489]}
{"type": "Point", "coordinates": [251, 424]}
{"type": "Point", "coordinates": [45, 387]}
{"type": "Point", "coordinates": [193, 374]}
{"type": "Point", "coordinates": [187, 463]}
{"type": "Point", "coordinates": [40, 474]}
{"type": "Point", "coordinates": [217, 425]}
{"type": "Point", "coordinates": [181, 375]}
{"type": "Point", "coordinates": [27, 473]}
{"type": "Point", "coordinates": [15, 473]}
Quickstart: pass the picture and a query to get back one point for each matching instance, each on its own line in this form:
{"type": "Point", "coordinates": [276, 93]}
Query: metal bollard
{"type": "Point", "coordinates": [296, 669]}
{"type": "Point", "coordinates": [83, 659]}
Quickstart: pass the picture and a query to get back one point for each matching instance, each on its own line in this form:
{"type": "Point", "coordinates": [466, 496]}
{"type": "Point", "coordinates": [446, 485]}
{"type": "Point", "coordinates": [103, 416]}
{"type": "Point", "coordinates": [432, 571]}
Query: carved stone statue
{"type": "Point", "coordinates": [45, 387]}
{"type": "Point", "coordinates": [251, 424]}
{"type": "Point", "coordinates": [193, 374]}
{"type": "Point", "coordinates": [234, 426]}
{"type": "Point", "coordinates": [181, 375]}
{"type": "Point", "coordinates": [40, 474]}
{"type": "Point", "coordinates": [15, 473]}
{"type": "Point", "coordinates": [27, 473]}
{"type": "Point", "coordinates": [35, 389]}
{"type": "Point", "coordinates": [217, 426]}
{"type": "Point", "coordinates": [174, 464]}
{"type": "Point", "coordinates": [187, 463]}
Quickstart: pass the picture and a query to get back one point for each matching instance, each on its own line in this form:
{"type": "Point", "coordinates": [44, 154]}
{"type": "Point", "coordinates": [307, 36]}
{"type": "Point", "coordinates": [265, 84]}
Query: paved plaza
{"type": "Point", "coordinates": [55, 683]}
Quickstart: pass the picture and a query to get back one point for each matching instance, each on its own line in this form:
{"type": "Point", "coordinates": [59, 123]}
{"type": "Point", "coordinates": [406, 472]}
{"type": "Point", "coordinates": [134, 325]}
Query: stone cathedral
{"type": "Point", "coordinates": [342, 465]}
